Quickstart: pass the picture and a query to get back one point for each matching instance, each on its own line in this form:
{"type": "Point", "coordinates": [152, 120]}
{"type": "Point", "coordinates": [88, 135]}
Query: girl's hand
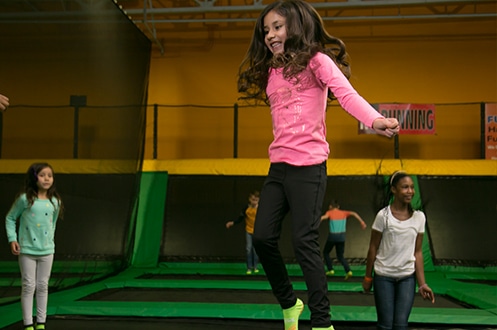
{"type": "Point", "coordinates": [386, 126]}
{"type": "Point", "coordinates": [4, 102]}
{"type": "Point", "coordinates": [427, 293]}
{"type": "Point", "coordinates": [15, 248]}
{"type": "Point", "coordinates": [367, 284]}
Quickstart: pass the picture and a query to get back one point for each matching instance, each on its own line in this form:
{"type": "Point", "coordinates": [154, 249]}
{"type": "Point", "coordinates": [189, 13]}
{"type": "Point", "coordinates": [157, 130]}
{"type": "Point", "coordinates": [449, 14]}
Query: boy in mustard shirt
{"type": "Point", "coordinates": [248, 214]}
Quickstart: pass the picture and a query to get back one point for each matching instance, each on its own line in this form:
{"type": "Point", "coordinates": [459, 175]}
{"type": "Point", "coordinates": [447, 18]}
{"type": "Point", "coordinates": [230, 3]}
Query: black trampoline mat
{"type": "Point", "coordinates": [231, 277]}
{"type": "Point", "coordinates": [10, 291]}
{"type": "Point", "coordinates": [486, 282]}
{"type": "Point", "coordinates": [120, 323]}
{"type": "Point", "coordinates": [53, 275]}
{"type": "Point", "coordinates": [237, 296]}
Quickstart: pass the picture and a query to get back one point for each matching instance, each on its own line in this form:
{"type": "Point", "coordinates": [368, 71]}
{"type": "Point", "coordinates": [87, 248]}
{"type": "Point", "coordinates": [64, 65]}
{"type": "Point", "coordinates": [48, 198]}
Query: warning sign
{"type": "Point", "coordinates": [413, 118]}
{"type": "Point", "coordinates": [491, 131]}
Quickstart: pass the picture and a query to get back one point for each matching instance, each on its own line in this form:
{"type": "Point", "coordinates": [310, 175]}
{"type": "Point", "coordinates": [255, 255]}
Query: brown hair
{"type": "Point", "coordinates": [31, 187]}
{"type": "Point", "coordinates": [306, 36]}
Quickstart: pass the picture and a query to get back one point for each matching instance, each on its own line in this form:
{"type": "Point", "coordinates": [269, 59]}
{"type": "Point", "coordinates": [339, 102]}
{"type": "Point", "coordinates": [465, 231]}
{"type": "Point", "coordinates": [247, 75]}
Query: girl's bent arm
{"type": "Point", "coordinates": [328, 72]}
{"type": "Point", "coordinates": [358, 217]}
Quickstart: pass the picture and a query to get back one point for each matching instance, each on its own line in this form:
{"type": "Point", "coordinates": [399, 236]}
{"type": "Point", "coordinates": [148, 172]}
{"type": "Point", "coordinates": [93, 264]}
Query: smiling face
{"type": "Point", "coordinates": [275, 32]}
{"type": "Point", "coordinates": [404, 190]}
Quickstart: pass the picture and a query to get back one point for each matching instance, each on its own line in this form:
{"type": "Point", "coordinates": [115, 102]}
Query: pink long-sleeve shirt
{"type": "Point", "coordinates": [298, 110]}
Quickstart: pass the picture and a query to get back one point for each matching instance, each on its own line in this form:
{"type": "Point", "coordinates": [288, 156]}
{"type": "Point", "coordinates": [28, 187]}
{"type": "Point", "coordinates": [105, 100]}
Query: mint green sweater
{"type": "Point", "coordinates": [36, 227]}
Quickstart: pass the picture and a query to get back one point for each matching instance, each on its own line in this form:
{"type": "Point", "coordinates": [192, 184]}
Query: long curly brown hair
{"type": "Point", "coordinates": [306, 36]}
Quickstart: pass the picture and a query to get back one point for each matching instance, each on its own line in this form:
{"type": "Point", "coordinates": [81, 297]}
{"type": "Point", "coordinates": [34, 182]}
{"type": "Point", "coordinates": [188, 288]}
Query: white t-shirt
{"type": "Point", "coordinates": [395, 256]}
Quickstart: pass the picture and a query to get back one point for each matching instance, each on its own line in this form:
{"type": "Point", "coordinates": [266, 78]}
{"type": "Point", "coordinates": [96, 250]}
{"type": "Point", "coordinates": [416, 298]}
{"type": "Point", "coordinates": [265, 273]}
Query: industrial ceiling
{"type": "Point", "coordinates": [159, 19]}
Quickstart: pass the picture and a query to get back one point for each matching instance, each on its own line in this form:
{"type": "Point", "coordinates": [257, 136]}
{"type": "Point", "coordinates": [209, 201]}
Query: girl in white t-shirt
{"type": "Point", "coordinates": [395, 253]}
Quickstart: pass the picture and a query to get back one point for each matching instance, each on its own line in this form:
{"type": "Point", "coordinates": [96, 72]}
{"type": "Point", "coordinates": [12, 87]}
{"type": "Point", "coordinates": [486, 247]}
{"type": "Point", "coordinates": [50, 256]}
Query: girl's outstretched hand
{"type": "Point", "coordinates": [386, 126]}
{"type": "Point", "coordinates": [15, 248]}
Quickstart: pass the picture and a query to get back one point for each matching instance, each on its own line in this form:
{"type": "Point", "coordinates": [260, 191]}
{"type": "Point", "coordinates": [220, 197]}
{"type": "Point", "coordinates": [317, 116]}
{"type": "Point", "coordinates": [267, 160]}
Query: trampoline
{"type": "Point", "coordinates": [199, 284]}
{"type": "Point", "coordinates": [145, 247]}
{"type": "Point", "coordinates": [117, 323]}
{"type": "Point", "coordinates": [216, 295]}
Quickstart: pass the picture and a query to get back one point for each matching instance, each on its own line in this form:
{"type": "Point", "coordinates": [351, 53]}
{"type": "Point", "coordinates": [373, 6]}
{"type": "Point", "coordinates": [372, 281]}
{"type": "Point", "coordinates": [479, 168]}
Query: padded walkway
{"type": "Point", "coordinates": [209, 295]}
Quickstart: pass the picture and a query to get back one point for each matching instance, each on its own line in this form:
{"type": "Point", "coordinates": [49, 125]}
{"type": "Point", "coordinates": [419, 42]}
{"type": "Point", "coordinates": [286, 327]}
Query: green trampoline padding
{"type": "Point", "coordinates": [482, 298]}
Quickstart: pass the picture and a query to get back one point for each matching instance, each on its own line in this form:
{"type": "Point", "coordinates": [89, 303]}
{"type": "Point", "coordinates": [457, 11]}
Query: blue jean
{"type": "Point", "coordinates": [394, 298]}
{"type": "Point", "coordinates": [299, 190]}
{"type": "Point", "coordinates": [252, 258]}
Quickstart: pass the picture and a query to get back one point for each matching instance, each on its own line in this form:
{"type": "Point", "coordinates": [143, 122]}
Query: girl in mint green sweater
{"type": "Point", "coordinates": [38, 207]}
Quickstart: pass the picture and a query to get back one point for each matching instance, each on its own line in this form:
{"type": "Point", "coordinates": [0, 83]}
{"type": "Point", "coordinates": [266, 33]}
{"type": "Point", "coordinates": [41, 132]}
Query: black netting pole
{"type": "Point", "coordinates": [156, 115]}
{"type": "Point", "coordinates": [482, 131]}
{"type": "Point", "coordinates": [396, 146]}
{"type": "Point", "coordinates": [235, 131]}
{"type": "Point", "coordinates": [76, 132]}
{"type": "Point", "coordinates": [1, 133]}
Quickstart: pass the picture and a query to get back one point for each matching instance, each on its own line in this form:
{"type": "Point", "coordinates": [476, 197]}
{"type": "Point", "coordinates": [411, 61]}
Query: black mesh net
{"type": "Point", "coordinates": [76, 73]}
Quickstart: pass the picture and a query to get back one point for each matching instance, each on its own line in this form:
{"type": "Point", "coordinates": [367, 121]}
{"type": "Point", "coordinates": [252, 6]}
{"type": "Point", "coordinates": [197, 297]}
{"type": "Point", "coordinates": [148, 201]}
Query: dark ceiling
{"type": "Point", "coordinates": [158, 19]}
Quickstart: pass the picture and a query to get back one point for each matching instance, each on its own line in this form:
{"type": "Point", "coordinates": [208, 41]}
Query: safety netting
{"type": "Point", "coordinates": [76, 73]}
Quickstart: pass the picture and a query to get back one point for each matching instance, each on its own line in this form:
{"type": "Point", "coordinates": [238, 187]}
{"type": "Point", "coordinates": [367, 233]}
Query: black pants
{"type": "Point", "coordinates": [299, 190]}
{"type": "Point", "coordinates": [340, 249]}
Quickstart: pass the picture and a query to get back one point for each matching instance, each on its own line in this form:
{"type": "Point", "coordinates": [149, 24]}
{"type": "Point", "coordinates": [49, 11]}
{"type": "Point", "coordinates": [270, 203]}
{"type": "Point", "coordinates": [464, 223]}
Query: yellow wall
{"type": "Point", "coordinates": [44, 64]}
{"type": "Point", "coordinates": [452, 63]}
{"type": "Point", "coordinates": [433, 61]}
{"type": "Point", "coordinates": [257, 167]}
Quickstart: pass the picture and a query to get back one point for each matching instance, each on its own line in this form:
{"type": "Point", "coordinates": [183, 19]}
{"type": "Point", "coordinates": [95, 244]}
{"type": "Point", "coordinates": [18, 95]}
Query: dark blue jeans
{"type": "Point", "coordinates": [394, 298]}
{"type": "Point", "coordinates": [299, 190]}
{"type": "Point", "coordinates": [252, 258]}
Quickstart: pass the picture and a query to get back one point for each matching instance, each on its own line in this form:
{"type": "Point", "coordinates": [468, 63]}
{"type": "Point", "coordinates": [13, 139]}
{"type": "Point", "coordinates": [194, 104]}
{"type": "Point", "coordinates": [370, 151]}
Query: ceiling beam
{"type": "Point", "coordinates": [257, 6]}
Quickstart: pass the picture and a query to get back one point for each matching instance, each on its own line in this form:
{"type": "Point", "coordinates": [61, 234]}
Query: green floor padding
{"type": "Point", "coordinates": [480, 297]}
{"type": "Point", "coordinates": [65, 274]}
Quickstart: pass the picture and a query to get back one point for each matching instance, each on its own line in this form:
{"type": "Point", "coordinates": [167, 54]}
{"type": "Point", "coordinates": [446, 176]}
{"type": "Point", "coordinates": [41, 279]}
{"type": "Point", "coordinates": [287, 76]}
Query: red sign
{"type": "Point", "coordinates": [413, 118]}
{"type": "Point", "coordinates": [491, 131]}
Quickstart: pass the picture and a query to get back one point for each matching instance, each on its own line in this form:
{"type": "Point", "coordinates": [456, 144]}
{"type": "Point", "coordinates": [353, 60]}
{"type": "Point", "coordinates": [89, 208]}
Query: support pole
{"type": "Point", "coordinates": [235, 131]}
{"type": "Point", "coordinates": [76, 101]}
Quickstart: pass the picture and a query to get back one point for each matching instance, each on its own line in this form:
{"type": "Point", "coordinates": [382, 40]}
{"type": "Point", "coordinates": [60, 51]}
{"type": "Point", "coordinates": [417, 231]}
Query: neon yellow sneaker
{"type": "Point", "coordinates": [40, 327]}
{"type": "Point", "coordinates": [329, 328]}
{"type": "Point", "coordinates": [330, 272]}
{"type": "Point", "coordinates": [249, 271]}
{"type": "Point", "coordinates": [348, 275]}
{"type": "Point", "coordinates": [29, 327]}
{"type": "Point", "coordinates": [291, 315]}
{"type": "Point", "coordinates": [256, 270]}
